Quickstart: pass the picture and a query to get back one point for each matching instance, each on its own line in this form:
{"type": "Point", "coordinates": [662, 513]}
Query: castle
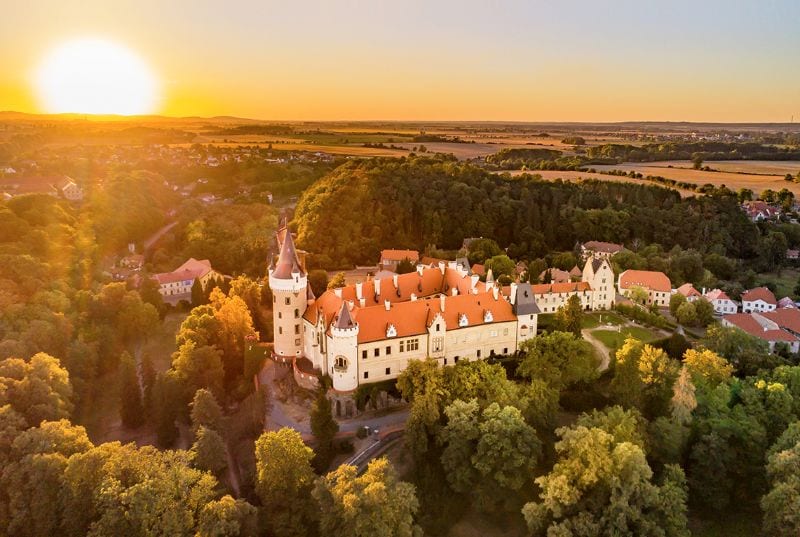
{"type": "Point", "coordinates": [368, 332]}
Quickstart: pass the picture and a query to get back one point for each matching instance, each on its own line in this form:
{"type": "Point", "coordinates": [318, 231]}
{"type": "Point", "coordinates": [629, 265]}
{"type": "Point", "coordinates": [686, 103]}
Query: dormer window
{"type": "Point", "coordinates": [487, 316]}
{"type": "Point", "coordinates": [391, 331]}
{"type": "Point", "coordinates": [462, 320]}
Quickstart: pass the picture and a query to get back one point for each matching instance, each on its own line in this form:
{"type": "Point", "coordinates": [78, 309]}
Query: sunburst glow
{"type": "Point", "coordinates": [94, 76]}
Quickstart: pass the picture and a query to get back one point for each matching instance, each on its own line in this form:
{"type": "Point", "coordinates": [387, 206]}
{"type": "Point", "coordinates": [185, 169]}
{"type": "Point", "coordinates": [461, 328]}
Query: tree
{"type": "Point", "coordinates": [198, 294]}
{"type": "Point", "coordinates": [227, 517]}
{"type": "Point", "coordinates": [558, 358]}
{"type": "Point", "coordinates": [707, 367]}
{"type": "Point", "coordinates": [324, 429]}
{"type": "Point", "coordinates": [337, 281]}
{"type": "Point", "coordinates": [697, 161]}
{"type": "Point", "coordinates": [375, 504]}
{"type": "Point", "coordinates": [167, 400]}
{"type": "Point", "coordinates": [236, 325]}
{"type": "Point", "coordinates": [683, 398]}
{"type": "Point", "coordinates": [489, 453]}
{"type": "Point", "coordinates": [196, 367]}
{"type": "Point", "coordinates": [638, 295]}
{"type": "Point", "coordinates": [568, 317]}
{"type": "Point", "coordinates": [206, 412]}
{"type": "Point", "coordinates": [405, 266]}
{"type": "Point", "coordinates": [643, 377]}
{"type": "Point", "coordinates": [601, 487]}
{"type": "Point", "coordinates": [624, 425]}
{"type": "Point", "coordinates": [746, 353]}
{"type": "Point", "coordinates": [482, 249]}
{"type": "Point", "coordinates": [676, 300]}
{"type": "Point", "coordinates": [209, 451]}
{"type": "Point", "coordinates": [686, 314]}
{"type": "Point", "coordinates": [705, 311]}
{"type": "Point", "coordinates": [284, 479]}
{"type": "Point", "coordinates": [500, 265]}
{"type": "Point", "coordinates": [131, 408]}
{"type": "Point", "coordinates": [781, 504]}
{"type": "Point", "coordinates": [38, 390]}
{"type": "Point", "coordinates": [318, 281]}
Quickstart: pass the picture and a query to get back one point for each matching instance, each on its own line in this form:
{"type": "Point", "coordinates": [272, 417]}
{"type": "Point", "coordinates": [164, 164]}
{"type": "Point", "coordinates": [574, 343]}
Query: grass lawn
{"type": "Point", "coordinates": [614, 340]}
{"type": "Point", "coordinates": [784, 283]}
{"type": "Point", "coordinates": [594, 320]}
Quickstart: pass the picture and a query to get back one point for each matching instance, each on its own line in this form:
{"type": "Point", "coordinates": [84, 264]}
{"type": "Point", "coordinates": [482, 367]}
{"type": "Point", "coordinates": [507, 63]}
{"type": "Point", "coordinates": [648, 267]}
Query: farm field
{"type": "Point", "coordinates": [757, 167]}
{"type": "Point", "coordinates": [734, 181]}
{"type": "Point", "coordinates": [577, 176]}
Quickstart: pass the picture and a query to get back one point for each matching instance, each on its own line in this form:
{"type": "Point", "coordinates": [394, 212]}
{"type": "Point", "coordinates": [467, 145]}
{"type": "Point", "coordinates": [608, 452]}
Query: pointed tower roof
{"type": "Point", "coordinates": [288, 263]}
{"type": "Point", "coordinates": [344, 320]}
{"type": "Point", "coordinates": [310, 294]}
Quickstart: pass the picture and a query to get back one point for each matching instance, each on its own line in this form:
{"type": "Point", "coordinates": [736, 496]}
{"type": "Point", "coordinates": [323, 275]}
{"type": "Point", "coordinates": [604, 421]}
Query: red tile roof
{"type": "Point", "coordinates": [399, 255]}
{"type": "Point", "coordinates": [717, 294]}
{"type": "Point", "coordinates": [759, 293]}
{"type": "Point", "coordinates": [606, 247]}
{"type": "Point", "coordinates": [748, 323]}
{"type": "Point", "coordinates": [190, 270]}
{"type": "Point", "coordinates": [788, 318]}
{"type": "Point", "coordinates": [688, 290]}
{"type": "Point", "coordinates": [656, 281]}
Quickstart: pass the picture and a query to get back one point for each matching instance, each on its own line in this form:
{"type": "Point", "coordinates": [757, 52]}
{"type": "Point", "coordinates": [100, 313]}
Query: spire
{"type": "Point", "coordinates": [344, 320]}
{"type": "Point", "coordinates": [288, 263]}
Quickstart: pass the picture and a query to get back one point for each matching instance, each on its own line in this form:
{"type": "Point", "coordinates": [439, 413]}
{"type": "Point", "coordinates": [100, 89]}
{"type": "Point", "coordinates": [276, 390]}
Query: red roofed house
{"type": "Point", "coordinates": [722, 303]}
{"type": "Point", "coordinates": [554, 275]}
{"type": "Point", "coordinates": [656, 284]}
{"type": "Point", "coordinates": [391, 258]}
{"type": "Point", "coordinates": [769, 327]}
{"type": "Point", "coordinates": [758, 299]}
{"type": "Point", "coordinates": [786, 302]}
{"type": "Point", "coordinates": [177, 285]}
{"type": "Point", "coordinates": [601, 249]}
{"type": "Point", "coordinates": [688, 290]}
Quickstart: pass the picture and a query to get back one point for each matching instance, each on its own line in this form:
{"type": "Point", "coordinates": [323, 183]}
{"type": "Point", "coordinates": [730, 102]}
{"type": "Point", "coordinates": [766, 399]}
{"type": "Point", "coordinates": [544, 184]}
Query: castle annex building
{"type": "Point", "coordinates": [368, 332]}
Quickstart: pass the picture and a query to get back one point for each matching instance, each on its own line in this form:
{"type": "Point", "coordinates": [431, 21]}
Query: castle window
{"type": "Point", "coordinates": [274, 299]}
{"type": "Point", "coordinates": [296, 313]}
{"type": "Point", "coordinates": [455, 359]}
{"type": "Point", "coordinates": [437, 344]}
{"type": "Point", "coordinates": [280, 315]}
{"type": "Point", "coordinates": [505, 350]}
{"type": "Point", "coordinates": [366, 374]}
{"type": "Point", "coordinates": [388, 351]}
{"type": "Point", "coordinates": [297, 329]}
{"type": "Point", "coordinates": [402, 345]}
{"type": "Point", "coordinates": [280, 330]}
{"type": "Point", "coordinates": [437, 327]}
{"type": "Point", "coordinates": [412, 344]}
{"type": "Point", "coordinates": [340, 363]}
{"type": "Point", "coordinates": [388, 370]}
{"type": "Point", "coordinates": [377, 351]}
{"type": "Point", "coordinates": [479, 353]}
{"type": "Point", "coordinates": [288, 301]}
{"type": "Point", "coordinates": [363, 355]}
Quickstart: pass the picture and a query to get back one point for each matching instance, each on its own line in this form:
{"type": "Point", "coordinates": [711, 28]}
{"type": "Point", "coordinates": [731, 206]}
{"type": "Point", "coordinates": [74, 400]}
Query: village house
{"type": "Point", "coordinates": [758, 299]}
{"type": "Point", "coordinates": [774, 327]}
{"type": "Point", "coordinates": [688, 291]}
{"type": "Point", "coordinates": [177, 285]}
{"type": "Point", "coordinates": [655, 284]}
{"type": "Point", "coordinates": [69, 190]}
{"type": "Point", "coordinates": [759, 211]}
{"type": "Point", "coordinates": [600, 249]}
{"type": "Point", "coordinates": [722, 303]}
{"type": "Point", "coordinates": [391, 258]}
{"type": "Point", "coordinates": [554, 275]}
{"type": "Point", "coordinates": [786, 302]}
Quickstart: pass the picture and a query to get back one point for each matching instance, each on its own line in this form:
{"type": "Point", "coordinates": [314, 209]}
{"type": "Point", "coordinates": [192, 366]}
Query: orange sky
{"type": "Point", "coordinates": [446, 60]}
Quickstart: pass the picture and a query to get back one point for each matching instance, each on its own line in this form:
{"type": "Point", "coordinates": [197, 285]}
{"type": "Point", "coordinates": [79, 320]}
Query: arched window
{"type": "Point", "coordinates": [340, 363]}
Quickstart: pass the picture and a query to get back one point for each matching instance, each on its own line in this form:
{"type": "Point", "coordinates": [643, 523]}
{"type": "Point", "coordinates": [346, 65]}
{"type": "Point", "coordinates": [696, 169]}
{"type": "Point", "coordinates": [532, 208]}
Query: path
{"type": "Point", "coordinates": [601, 349]}
{"type": "Point", "coordinates": [152, 239]}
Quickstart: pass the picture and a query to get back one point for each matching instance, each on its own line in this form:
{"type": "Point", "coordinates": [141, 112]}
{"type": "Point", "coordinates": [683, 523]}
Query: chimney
{"type": "Point", "coordinates": [362, 302]}
{"type": "Point", "coordinates": [413, 297]}
{"type": "Point", "coordinates": [394, 280]}
{"type": "Point", "coordinates": [455, 291]}
{"type": "Point", "coordinates": [495, 292]}
{"type": "Point", "coordinates": [441, 266]}
{"type": "Point", "coordinates": [420, 268]}
{"type": "Point", "coordinates": [359, 290]}
{"type": "Point", "coordinates": [442, 299]}
{"type": "Point", "coordinates": [704, 291]}
{"type": "Point", "coordinates": [338, 292]}
{"type": "Point", "coordinates": [377, 287]}
{"type": "Point", "coordinates": [513, 294]}
{"type": "Point", "coordinates": [350, 305]}
{"type": "Point", "coordinates": [474, 281]}
{"type": "Point", "coordinates": [387, 305]}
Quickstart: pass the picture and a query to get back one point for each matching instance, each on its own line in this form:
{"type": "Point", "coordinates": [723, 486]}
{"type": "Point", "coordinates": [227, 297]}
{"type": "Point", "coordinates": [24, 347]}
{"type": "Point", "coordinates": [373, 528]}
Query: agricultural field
{"type": "Point", "coordinates": [577, 176]}
{"type": "Point", "coordinates": [682, 171]}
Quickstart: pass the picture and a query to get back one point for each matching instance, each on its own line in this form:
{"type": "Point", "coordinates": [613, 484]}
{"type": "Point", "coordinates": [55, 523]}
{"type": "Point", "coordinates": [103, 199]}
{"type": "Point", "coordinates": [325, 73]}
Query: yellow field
{"type": "Point", "coordinates": [574, 176]}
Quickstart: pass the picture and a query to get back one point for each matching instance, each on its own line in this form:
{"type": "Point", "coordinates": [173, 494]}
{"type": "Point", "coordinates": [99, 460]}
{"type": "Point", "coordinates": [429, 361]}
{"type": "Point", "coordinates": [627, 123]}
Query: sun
{"type": "Point", "coordinates": [95, 76]}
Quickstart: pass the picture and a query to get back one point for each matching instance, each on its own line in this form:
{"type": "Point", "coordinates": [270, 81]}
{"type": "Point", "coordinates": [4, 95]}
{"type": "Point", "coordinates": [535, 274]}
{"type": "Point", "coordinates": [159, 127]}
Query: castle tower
{"type": "Point", "coordinates": [343, 351]}
{"type": "Point", "coordinates": [289, 284]}
{"type": "Point", "coordinates": [524, 307]}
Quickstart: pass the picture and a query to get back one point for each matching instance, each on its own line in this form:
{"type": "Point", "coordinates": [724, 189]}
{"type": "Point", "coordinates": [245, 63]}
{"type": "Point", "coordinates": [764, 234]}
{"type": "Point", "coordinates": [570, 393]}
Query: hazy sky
{"type": "Point", "coordinates": [539, 60]}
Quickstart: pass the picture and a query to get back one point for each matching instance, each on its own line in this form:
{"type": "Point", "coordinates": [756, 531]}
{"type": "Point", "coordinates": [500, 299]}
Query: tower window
{"type": "Point", "coordinates": [297, 329]}
{"type": "Point", "coordinates": [280, 315]}
{"type": "Point", "coordinates": [340, 363]}
{"type": "Point", "coordinates": [287, 301]}
{"type": "Point", "coordinates": [377, 351]}
{"type": "Point", "coordinates": [363, 355]}
{"type": "Point", "coordinates": [296, 313]}
{"type": "Point", "coordinates": [366, 374]}
{"type": "Point", "coordinates": [280, 330]}
{"type": "Point", "coordinates": [388, 351]}
{"type": "Point", "coordinates": [388, 370]}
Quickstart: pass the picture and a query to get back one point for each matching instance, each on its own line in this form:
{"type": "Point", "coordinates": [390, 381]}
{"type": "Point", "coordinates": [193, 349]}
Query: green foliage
{"type": "Point", "coordinates": [131, 407]}
{"type": "Point", "coordinates": [676, 300]}
{"type": "Point", "coordinates": [324, 429]}
{"type": "Point", "coordinates": [482, 249]}
{"type": "Point", "coordinates": [206, 412]}
{"type": "Point", "coordinates": [569, 316]}
{"type": "Point", "coordinates": [318, 281]}
{"type": "Point", "coordinates": [375, 504]}
{"type": "Point", "coordinates": [337, 281]}
{"type": "Point", "coordinates": [687, 314]}
{"type": "Point", "coordinates": [643, 377]}
{"type": "Point", "coordinates": [209, 451]}
{"type": "Point", "coordinates": [227, 517]}
{"type": "Point", "coordinates": [284, 482]}
{"type": "Point", "coordinates": [405, 266]}
{"type": "Point", "coordinates": [500, 265]}
{"type": "Point", "coordinates": [746, 353]}
{"type": "Point", "coordinates": [599, 486]}
{"type": "Point", "coordinates": [38, 390]}
{"type": "Point", "coordinates": [558, 358]}
{"type": "Point", "coordinates": [781, 504]}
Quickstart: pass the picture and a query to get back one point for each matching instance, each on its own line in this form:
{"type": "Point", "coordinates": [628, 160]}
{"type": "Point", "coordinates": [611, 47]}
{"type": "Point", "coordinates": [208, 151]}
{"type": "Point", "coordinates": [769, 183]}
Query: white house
{"type": "Point", "coordinates": [722, 303]}
{"type": "Point", "coordinates": [758, 299]}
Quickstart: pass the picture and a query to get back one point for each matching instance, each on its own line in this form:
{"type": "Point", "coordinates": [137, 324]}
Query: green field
{"type": "Point", "coordinates": [614, 340]}
{"type": "Point", "coordinates": [784, 282]}
{"type": "Point", "coordinates": [594, 320]}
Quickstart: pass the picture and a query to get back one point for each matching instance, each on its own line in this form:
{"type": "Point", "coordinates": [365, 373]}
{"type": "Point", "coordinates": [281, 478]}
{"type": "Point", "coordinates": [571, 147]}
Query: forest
{"type": "Point", "coordinates": [347, 217]}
